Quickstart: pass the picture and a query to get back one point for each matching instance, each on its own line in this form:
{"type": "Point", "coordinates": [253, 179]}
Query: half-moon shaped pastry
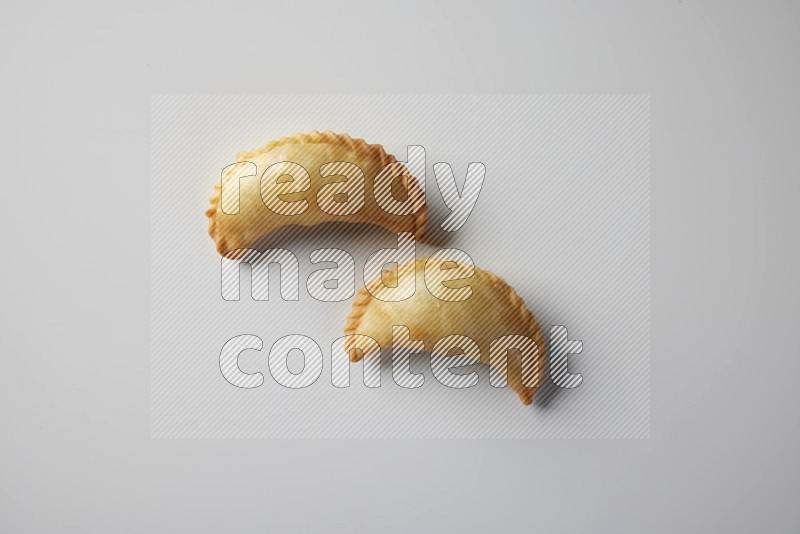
{"type": "Point", "coordinates": [309, 179]}
{"type": "Point", "coordinates": [493, 315]}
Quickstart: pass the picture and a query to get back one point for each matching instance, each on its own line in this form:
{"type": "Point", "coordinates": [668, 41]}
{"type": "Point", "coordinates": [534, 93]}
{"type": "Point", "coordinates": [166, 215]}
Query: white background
{"type": "Point", "coordinates": [76, 449]}
{"type": "Point", "coordinates": [563, 216]}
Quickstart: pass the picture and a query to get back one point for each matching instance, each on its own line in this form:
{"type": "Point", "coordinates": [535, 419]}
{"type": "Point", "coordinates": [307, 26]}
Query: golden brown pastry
{"type": "Point", "coordinates": [489, 311]}
{"type": "Point", "coordinates": [309, 179]}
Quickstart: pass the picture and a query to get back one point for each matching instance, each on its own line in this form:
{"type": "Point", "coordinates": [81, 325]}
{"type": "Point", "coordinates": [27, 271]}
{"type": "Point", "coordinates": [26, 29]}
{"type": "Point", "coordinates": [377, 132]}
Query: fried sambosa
{"type": "Point", "coordinates": [310, 179]}
{"type": "Point", "coordinates": [451, 301]}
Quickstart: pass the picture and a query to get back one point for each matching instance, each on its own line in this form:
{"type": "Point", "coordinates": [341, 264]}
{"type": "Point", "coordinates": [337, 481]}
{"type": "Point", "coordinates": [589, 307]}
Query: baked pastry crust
{"type": "Point", "coordinates": [312, 150]}
{"type": "Point", "coordinates": [493, 310]}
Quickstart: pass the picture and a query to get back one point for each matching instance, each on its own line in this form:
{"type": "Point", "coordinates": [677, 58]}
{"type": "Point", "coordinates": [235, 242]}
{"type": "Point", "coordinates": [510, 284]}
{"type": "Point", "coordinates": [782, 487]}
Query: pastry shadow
{"type": "Point", "coordinates": [543, 306]}
{"type": "Point", "coordinates": [434, 234]}
{"type": "Point", "coordinates": [549, 391]}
